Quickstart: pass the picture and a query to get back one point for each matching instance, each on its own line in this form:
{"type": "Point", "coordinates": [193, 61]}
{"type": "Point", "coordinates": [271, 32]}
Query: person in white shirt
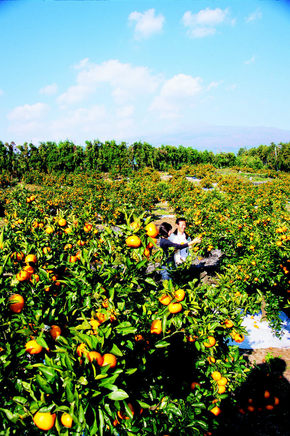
{"type": "Point", "coordinates": [179, 236]}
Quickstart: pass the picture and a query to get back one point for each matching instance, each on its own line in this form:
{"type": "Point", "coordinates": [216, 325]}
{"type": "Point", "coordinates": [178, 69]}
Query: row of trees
{"type": "Point", "coordinates": [121, 158]}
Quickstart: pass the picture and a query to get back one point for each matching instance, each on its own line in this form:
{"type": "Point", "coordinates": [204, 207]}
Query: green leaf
{"type": "Point", "coordinates": [20, 400]}
{"type": "Point", "coordinates": [118, 395]}
{"type": "Point", "coordinates": [116, 351]}
{"type": "Point", "coordinates": [162, 344]}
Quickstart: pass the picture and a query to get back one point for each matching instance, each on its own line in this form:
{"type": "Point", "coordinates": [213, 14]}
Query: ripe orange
{"type": "Point", "coordinates": [211, 359]}
{"type": "Point", "coordinates": [229, 323]}
{"type": "Point", "coordinates": [151, 230]}
{"type": "Point", "coordinates": [94, 355]}
{"type": "Point", "coordinates": [30, 258]}
{"type": "Point", "coordinates": [156, 327]}
{"type": "Point", "coordinates": [109, 359]}
{"type": "Point", "coordinates": [62, 222]}
{"type": "Point", "coordinates": [22, 275]}
{"type": "Point", "coordinates": [193, 385]}
{"type": "Point", "coordinates": [174, 307]}
{"type": "Point", "coordinates": [32, 347]}
{"type": "Point", "coordinates": [179, 295]}
{"type": "Point", "coordinates": [210, 342]}
{"type": "Point", "coordinates": [73, 259]}
{"type": "Point", "coordinates": [29, 269]}
{"type": "Point", "coordinates": [49, 230]}
{"type": "Point", "coordinates": [44, 420]}
{"type": "Point", "coordinates": [216, 375]}
{"type": "Point", "coordinates": [66, 420]}
{"type": "Point", "coordinates": [16, 303]}
{"type": "Point", "coordinates": [133, 241]}
{"type": "Point", "coordinates": [216, 410]}
{"type": "Point", "coordinates": [222, 381]}
{"type": "Point", "coordinates": [147, 252]}
{"type": "Point", "coordinates": [221, 389]}
{"type": "Point", "coordinates": [151, 244]}
{"type": "Point", "coordinates": [165, 299]}
{"type": "Point", "coordinates": [267, 394]}
{"type": "Point", "coordinates": [82, 349]}
{"type": "Point", "coordinates": [135, 225]}
{"type": "Point", "coordinates": [55, 331]}
{"type": "Point", "coordinates": [19, 256]}
{"type": "Point", "coordinates": [239, 338]}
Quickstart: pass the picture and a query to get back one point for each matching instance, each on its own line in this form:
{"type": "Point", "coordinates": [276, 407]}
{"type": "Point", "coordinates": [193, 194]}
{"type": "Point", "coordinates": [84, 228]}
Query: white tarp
{"type": "Point", "coordinates": [260, 334]}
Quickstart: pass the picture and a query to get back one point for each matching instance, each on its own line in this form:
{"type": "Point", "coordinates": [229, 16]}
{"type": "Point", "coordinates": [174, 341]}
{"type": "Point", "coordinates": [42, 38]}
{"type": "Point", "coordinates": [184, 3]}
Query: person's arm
{"type": "Point", "coordinates": [169, 243]}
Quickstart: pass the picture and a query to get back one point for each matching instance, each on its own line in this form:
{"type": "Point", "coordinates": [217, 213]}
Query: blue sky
{"type": "Point", "coordinates": [207, 74]}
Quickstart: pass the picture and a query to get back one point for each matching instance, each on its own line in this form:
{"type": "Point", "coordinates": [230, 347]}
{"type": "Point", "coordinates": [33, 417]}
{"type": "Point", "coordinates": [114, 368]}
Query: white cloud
{"type": "Point", "coordinates": [214, 85]}
{"type": "Point", "coordinates": [176, 94]}
{"type": "Point", "coordinates": [84, 62]}
{"type": "Point", "coordinates": [125, 81]}
{"type": "Point", "coordinates": [147, 23]}
{"type": "Point", "coordinates": [256, 15]}
{"type": "Point", "coordinates": [49, 89]}
{"type": "Point", "coordinates": [28, 112]}
{"type": "Point", "coordinates": [125, 111]}
{"type": "Point", "coordinates": [80, 119]}
{"type": "Point", "coordinates": [1, 91]}
{"type": "Point", "coordinates": [204, 23]}
{"type": "Point", "coordinates": [250, 61]}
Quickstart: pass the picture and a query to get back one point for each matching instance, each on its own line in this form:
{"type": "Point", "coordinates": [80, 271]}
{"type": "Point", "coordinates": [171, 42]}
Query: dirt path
{"type": "Point", "coordinates": [255, 356]}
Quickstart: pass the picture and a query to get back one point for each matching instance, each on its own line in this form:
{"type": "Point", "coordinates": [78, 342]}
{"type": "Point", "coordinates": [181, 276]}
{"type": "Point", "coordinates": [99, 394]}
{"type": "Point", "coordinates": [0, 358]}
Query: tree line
{"type": "Point", "coordinates": [109, 156]}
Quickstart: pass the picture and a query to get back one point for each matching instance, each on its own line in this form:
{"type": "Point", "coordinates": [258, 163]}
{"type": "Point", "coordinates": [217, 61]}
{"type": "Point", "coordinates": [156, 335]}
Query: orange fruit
{"type": "Point", "coordinates": [55, 331]}
{"type": "Point", "coordinates": [73, 259]}
{"type": "Point", "coordinates": [22, 275]}
{"type": "Point", "coordinates": [156, 327]}
{"type": "Point", "coordinates": [269, 407]}
{"type": "Point", "coordinates": [32, 347]}
{"type": "Point", "coordinates": [210, 342]}
{"type": "Point", "coordinates": [179, 295]}
{"type": "Point", "coordinates": [44, 420]}
{"type": "Point", "coordinates": [193, 385]}
{"type": "Point", "coordinates": [221, 389]}
{"type": "Point", "coordinates": [276, 401]}
{"type": "Point", "coordinates": [239, 338]}
{"type": "Point", "coordinates": [174, 307]}
{"type": "Point", "coordinates": [49, 230]}
{"type": "Point", "coordinates": [151, 230]}
{"type": "Point", "coordinates": [165, 299]}
{"type": "Point", "coordinates": [82, 349]}
{"type": "Point", "coordinates": [229, 323]}
{"type": "Point", "coordinates": [146, 252]}
{"type": "Point", "coordinates": [211, 359]}
{"type": "Point", "coordinates": [133, 241]}
{"type": "Point", "coordinates": [94, 355]}
{"type": "Point", "coordinates": [267, 394]}
{"type": "Point", "coordinates": [19, 256]}
{"type": "Point", "coordinates": [29, 269]}
{"type": "Point", "coordinates": [151, 244]}
{"type": "Point", "coordinates": [216, 410]}
{"type": "Point", "coordinates": [216, 375]}
{"type": "Point", "coordinates": [62, 222]}
{"type": "Point", "coordinates": [16, 303]}
{"type": "Point", "coordinates": [222, 381]}
{"type": "Point", "coordinates": [30, 258]}
{"type": "Point", "coordinates": [66, 420]}
{"type": "Point", "coordinates": [134, 225]}
{"type": "Point", "coordinates": [109, 359]}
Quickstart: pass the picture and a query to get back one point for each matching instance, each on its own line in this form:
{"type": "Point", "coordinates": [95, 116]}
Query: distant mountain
{"type": "Point", "coordinates": [220, 138]}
